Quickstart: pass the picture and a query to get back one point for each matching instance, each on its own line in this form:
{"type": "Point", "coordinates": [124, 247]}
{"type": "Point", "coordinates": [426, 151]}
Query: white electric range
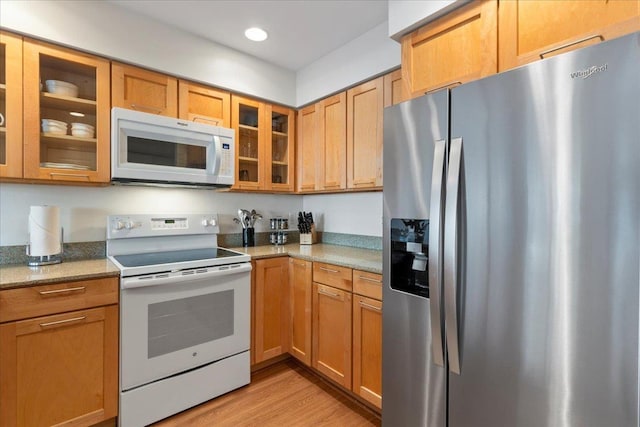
{"type": "Point", "coordinates": [184, 313]}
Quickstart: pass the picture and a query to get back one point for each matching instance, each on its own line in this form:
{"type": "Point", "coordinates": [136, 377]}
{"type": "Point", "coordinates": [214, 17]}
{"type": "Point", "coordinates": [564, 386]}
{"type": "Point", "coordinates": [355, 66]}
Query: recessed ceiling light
{"type": "Point", "coordinates": [256, 34]}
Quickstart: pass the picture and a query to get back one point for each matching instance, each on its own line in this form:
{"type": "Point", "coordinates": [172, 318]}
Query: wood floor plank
{"type": "Point", "coordinates": [281, 395]}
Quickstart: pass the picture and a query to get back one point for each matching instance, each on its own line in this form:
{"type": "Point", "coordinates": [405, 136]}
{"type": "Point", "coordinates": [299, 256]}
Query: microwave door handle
{"type": "Point", "coordinates": [217, 155]}
{"type": "Point", "coordinates": [435, 252]}
{"type": "Point", "coordinates": [451, 260]}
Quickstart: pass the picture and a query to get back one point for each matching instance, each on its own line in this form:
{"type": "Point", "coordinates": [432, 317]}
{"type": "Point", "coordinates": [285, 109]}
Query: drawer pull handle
{"type": "Point", "coordinates": [369, 279]}
{"type": "Point", "coordinates": [60, 291]}
{"type": "Point", "coordinates": [448, 85]}
{"type": "Point", "coordinates": [146, 108]}
{"type": "Point", "coordinates": [596, 36]}
{"type": "Point", "coordinates": [69, 175]}
{"type": "Point", "coordinates": [62, 322]}
{"type": "Point", "coordinates": [215, 122]}
{"type": "Point", "coordinates": [369, 306]}
{"type": "Point", "coordinates": [329, 294]}
{"type": "Point", "coordinates": [299, 264]}
{"type": "Point", "coordinates": [328, 270]}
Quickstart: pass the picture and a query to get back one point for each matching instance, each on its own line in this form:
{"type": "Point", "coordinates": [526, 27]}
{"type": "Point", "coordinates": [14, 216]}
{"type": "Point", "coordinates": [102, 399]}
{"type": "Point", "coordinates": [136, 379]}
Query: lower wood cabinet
{"type": "Point", "coordinates": [331, 349]}
{"type": "Point", "coordinates": [270, 295]}
{"type": "Point", "coordinates": [300, 290]}
{"type": "Point", "coordinates": [367, 349]}
{"type": "Point", "coordinates": [60, 368]}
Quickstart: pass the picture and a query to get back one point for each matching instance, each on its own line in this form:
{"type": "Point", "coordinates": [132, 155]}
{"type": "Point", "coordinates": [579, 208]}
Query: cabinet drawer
{"type": "Point", "coordinates": [41, 300]}
{"type": "Point", "coordinates": [332, 275]}
{"type": "Point", "coordinates": [367, 284]}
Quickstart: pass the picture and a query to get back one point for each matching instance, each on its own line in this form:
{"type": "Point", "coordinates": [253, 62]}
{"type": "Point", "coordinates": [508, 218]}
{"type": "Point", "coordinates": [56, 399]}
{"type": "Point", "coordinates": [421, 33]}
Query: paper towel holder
{"type": "Point", "coordinates": [37, 261]}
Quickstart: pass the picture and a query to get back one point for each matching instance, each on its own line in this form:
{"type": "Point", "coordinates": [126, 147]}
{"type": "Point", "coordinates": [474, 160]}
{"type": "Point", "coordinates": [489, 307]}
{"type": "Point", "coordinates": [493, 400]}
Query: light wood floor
{"type": "Point", "coordinates": [281, 395]}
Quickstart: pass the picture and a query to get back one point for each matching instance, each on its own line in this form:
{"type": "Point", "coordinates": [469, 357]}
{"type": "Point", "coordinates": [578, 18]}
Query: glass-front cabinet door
{"type": "Point", "coordinates": [67, 115]}
{"type": "Point", "coordinates": [248, 122]}
{"type": "Point", "coordinates": [281, 153]}
{"type": "Point", "coordinates": [10, 105]}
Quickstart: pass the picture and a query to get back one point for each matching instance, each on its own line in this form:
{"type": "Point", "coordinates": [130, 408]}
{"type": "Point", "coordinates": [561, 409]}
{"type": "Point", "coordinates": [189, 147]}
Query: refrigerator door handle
{"type": "Point", "coordinates": [451, 255]}
{"type": "Point", "coordinates": [435, 251]}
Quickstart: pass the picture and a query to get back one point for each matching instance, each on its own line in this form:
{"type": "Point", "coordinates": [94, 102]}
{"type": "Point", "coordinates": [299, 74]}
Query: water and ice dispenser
{"type": "Point", "coordinates": [410, 256]}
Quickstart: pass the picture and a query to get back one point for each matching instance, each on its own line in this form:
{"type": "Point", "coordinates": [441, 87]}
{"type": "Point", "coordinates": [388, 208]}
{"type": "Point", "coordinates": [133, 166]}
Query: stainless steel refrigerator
{"type": "Point", "coordinates": [511, 243]}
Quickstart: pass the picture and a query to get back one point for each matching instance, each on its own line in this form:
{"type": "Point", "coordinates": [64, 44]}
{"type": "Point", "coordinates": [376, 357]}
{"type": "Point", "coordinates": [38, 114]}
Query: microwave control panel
{"type": "Point", "coordinates": [226, 159]}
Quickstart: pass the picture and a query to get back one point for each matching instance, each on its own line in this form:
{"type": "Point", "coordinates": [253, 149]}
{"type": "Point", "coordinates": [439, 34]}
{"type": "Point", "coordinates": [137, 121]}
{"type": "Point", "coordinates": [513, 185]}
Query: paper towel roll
{"type": "Point", "coordinates": [44, 230]}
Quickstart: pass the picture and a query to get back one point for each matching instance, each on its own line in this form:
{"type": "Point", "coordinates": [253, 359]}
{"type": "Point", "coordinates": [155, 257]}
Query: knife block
{"type": "Point", "coordinates": [309, 238]}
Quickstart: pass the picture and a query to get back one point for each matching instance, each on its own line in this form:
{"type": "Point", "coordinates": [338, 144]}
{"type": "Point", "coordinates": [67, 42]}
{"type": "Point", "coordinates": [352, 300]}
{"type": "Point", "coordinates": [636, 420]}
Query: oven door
{"type": "Point", "coordinates": [173, 322]}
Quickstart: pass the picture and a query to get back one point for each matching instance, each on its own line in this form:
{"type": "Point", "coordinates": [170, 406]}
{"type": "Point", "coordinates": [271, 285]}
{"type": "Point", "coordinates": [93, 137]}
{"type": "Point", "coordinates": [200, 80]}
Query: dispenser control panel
{"type": "Point", "coordinates": [410, 255]}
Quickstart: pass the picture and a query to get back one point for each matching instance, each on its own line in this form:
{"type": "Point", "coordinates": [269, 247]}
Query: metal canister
{"type": "Point", "coordinates": [273, 222]}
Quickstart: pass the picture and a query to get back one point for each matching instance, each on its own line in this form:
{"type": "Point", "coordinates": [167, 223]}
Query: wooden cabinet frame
{"type": "Point", "coordinates": [143, 90]}
{"type": "Point", "coordinates": [32, 110]}
{"type": "Point", "coordinates": [300, 294]}
{"type": "Point", "coordinates": [194, 98]}
{"type": "Point", "coordinates": [12, 128]}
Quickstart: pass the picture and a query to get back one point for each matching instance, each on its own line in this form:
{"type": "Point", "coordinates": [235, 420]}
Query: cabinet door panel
{"type": "Point", "coordinates": [143, 90]}
{"type": "Point", "coordinates": [248, 120]}
{"type": "Point", "coordinates": [331, 349]}
{"type": "Point", "coordinates": [364, 134]}
{"type": "Point", "coordinates": [203, 104]}
{"type": "Point", "coordinates": [271, 328]}
{"type": "Point", "coordinates": [11, 105]}
{"type": "Point", "coordinates": [61, 156]}
{"type": "Point", "coordinates": [301, 289]}
{"type": "Point", "coordinates": [60, 368]}
{"type": "Point", "coordinates": [308, 148]}
{"type": "Point", "coordinates": [279, 148]}
{"type": "Point", "coordinates": [459, 47]}
{"type": "Point", "coordinates": [367, 349]}
{"type": "Point", "coordinates": [396, 89]}
{"type": "Point", "coordinates": [528, 29]}
{"type": "Point", "coordinates": [333, 140]}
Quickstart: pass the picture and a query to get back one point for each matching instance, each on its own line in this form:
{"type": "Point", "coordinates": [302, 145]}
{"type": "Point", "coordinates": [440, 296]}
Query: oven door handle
{"type": "Point", "coordinates": [181, 277]}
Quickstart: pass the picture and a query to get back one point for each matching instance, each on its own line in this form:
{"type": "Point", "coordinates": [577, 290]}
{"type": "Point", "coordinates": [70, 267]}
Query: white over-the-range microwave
{"type": "Point", "coordinates": [152, 149]}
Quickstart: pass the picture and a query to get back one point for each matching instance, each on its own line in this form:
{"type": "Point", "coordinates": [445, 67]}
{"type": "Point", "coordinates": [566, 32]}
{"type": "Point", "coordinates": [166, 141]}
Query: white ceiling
{"type": "Point", "coordinates": [300, 31]}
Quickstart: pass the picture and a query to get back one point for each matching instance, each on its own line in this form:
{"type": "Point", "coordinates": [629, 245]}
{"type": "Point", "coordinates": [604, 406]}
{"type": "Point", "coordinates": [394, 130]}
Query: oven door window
{"type": "Point", "coordinates": [182, 323]}
{"type": "Point", "coordinates": [170, 328]}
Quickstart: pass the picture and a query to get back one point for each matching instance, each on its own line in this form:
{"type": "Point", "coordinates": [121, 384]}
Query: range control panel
{"type": "Point", "coordinates": [129, 226]}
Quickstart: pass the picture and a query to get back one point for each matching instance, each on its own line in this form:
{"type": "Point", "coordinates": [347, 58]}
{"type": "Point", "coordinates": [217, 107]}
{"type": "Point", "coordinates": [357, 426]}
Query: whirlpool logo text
{"type": "Point", "coordinates": [588, 72]}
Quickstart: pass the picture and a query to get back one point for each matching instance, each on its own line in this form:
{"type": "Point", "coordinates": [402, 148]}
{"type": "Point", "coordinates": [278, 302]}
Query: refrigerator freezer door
{"type": "Point", "coordinates": [548, 304]}
{"type": "Point", "coordinates": [413, 386]}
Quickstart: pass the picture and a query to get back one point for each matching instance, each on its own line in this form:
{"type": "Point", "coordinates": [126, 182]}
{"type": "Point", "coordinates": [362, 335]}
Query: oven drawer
{"type": "Point", "coordinates": [23, 303]}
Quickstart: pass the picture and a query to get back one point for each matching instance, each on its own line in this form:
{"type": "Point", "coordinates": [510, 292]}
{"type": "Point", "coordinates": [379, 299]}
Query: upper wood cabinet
{"type": "Point", "coordinates": [396, 89]}
{"type": "Point", "coordinates": [308, 148]}
{"type": "Point", "coordinates": [332, 134]}
{"type": "Point", "coordinates": [271, 304]}
{"type": "Point", "coordinates": [365, 104]}
{"type": "Point", "coordinates": [264, 145]}
{"type": "Point", "coordinates": [59, 365]}
{"type": "Point", "coordinates": [203, 104]}
{"type": "Point", "coordinates": [11, 105]}
{"type": "Point", "coordinates": [143, 90]}
{"type": "Point", "coordinates": [531, 30]}
{"type": "Point", "coordinates": [456, 48]}
{"type": "Point", "coordinates": [300, 291]}
{"type": "Point", "coordinates": [56, 154]}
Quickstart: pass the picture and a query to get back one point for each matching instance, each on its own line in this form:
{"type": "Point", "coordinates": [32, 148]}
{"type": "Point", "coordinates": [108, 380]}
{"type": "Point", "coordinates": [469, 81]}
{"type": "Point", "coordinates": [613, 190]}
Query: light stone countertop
{"type": "Point", "coordinates": [360, 259]}
{"type": "Point", "coordinates": [15, 276]}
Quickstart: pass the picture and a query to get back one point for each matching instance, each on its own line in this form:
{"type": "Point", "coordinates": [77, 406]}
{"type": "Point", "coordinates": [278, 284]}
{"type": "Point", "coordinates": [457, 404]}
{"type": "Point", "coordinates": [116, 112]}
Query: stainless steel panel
{"type": "Point", "coordinates": [549, 296]}
{"type": "Point", "coordinates": [412, 385]}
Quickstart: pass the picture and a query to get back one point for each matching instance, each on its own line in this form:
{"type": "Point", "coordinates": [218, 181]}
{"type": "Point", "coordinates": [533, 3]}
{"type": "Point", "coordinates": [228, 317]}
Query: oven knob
{"type": "Point", "coordinates": [119, 225]}
{"type": "Point", "coordinates": [209, 222]}
{"type": "Point", "coordinates": [129, 225]}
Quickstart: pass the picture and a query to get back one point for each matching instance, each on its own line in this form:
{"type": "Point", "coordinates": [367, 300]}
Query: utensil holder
{"type": "Point", "coordinates": [309, 238]}
{"type": "Point", "coordinates": [248, 237]}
